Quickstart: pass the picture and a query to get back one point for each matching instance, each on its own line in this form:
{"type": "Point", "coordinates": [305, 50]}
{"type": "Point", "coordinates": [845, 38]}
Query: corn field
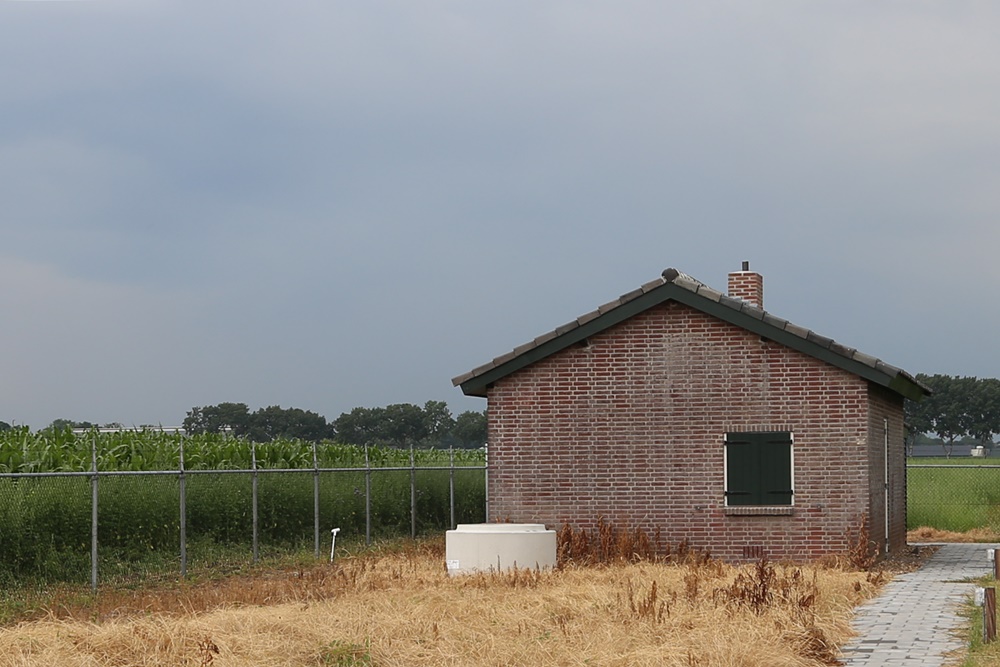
{"type": "Point", "coordinates": [25, 451]}
{"type": "Point", "coordinates": [136, 503]}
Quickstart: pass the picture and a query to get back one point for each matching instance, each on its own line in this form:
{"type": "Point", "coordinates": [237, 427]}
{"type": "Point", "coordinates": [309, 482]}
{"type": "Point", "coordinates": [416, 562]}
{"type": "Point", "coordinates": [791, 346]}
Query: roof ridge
{"type": "Point", "coordinates": [755, 317]}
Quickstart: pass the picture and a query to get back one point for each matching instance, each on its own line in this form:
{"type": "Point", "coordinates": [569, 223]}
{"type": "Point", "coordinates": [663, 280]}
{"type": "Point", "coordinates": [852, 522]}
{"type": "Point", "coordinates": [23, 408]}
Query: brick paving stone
{"type": "Point", "coordinates": [916, 621]}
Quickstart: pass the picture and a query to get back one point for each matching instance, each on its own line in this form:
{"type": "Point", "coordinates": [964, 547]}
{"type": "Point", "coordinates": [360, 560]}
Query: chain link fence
{"type": "Point", "coordinates": [136, 525]}
{"type": "Point", "coordinates": [131, 525]}
{"type": "Point", "coordinates": [953, 496]}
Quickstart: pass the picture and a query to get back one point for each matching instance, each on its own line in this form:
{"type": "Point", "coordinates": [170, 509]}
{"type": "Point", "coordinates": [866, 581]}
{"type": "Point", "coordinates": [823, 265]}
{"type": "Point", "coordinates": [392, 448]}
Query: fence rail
{"type": "Point", "coordinates": [276, 495]}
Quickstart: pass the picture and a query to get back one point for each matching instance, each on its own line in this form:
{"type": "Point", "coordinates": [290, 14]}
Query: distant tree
{"type": "Point", "coordinates": [947, 405]}
{"type": "Point", "coordinates": [4, 426]}
{"type": "Point", "coordinates": [60, 425]}
{"type": "Point", "coordinates": [438, 421]}
{"type": "Point", "coordinates": [64, 424]}
{"type": "Point", "coordinates": [959, 407]}
{"type": "Point", "coordinates": [272, 422]}
{"type": "Point", "coordinates": [396, 425]}
{"type": "Point", "coordinates": [218, 418]}
{"type": "Point", "coordinates": [262, 425]}
{"type": "Point", "coordinates": [360, 426]}
{"type": "Point", "coordinates": [403, 424]}
{"type": "Point", "coordinates": [470, 429]}
{"type": "Point", "coordinates": [981, 414]}
{"type": "Point", "coordinates": [918, 417]}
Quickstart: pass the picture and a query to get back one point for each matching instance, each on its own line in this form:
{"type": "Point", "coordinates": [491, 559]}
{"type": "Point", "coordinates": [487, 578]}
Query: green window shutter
{"type": "Point", "coordinates": [759, 468]}
{"type": "Point", "coordinates": [742, 472]}
{"type": "Point", "coordinates": [776, 470]}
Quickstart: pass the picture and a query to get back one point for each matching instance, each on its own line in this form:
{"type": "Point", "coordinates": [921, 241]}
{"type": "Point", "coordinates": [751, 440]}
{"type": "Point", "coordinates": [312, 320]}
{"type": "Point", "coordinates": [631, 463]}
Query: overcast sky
{"type": "Point", "coordinates": [324, 204]}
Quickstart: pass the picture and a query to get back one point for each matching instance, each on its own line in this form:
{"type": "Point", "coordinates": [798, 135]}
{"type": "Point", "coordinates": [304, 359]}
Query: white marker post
{"type": "Point", "coordinates": [333, 543]}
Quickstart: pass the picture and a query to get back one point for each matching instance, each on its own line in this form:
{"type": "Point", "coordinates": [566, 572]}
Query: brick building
{"type": "Point", "coordinates": [678, 408]}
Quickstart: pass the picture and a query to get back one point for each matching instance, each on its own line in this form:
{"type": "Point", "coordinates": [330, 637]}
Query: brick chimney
{"type": "Point", "coordinates": [747, 285]}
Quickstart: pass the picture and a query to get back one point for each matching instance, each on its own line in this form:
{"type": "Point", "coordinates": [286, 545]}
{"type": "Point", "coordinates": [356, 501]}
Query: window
{"type": "Point", "coordinates": [759, 469]}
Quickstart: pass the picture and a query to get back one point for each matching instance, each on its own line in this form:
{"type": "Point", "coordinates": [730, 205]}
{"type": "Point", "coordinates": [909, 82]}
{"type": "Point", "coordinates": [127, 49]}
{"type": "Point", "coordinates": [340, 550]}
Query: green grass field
{"type": "Point", "coordinates": [955, 498]}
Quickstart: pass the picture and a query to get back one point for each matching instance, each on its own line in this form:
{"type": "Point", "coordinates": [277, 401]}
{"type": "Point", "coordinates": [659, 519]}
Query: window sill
{"type": "Point", "coordinates": [754, 510]}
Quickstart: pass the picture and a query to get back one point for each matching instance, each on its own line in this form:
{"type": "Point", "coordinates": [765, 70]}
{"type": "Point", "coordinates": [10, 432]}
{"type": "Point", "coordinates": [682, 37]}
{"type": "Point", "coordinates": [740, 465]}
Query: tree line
{"type": "Point", "coordinates": [959, 408]}
{"type": "Point", "coordinates": [397, 425]}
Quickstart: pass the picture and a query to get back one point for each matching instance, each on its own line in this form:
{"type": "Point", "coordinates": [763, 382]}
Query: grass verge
{"type": "Point", "coordinates": [979, 654]}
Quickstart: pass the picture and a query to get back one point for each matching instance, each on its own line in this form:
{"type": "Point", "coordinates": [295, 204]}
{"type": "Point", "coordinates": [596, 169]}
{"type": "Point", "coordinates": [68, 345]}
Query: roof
{"type": "Point", "coordinates": [676, 286]}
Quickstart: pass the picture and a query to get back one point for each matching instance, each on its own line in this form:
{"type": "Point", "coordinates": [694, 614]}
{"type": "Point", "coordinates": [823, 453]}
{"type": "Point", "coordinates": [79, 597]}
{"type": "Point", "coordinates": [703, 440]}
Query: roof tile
{"type": "Point", "coordinates": [610, 305]}
{"type": "Point", "coordinates": [652, 285]}
{"type": "Point", "coordinates": [822, 341]}
{"type": "Point", "coordinates": [504, 358]}
{"type": "Point", "coordinates": [587, 317]}
{"type": "Point", "coordinates": [546, 337]}
{"type": "Point", "coordinates": [485, 368]}
{"type": "Point", "coordinates": [634, 294]}
{"type": "Point", "coordinates": [687, 282]}
{"type": "Point", "coordinates": [709, 293]}
{"type": "Point", "coordinates": [842, 350]}
{"type": "Point", "coordinates": [521, 349]}
{"type": "Point", "coordinates": [729, 301]}
{"type": "Point", "coordinates": [566, 328]}
{"type": "Point", "coordinates": [455, 381]}
{"type": "Point", "coordinates": [774, 321]}
{"type": "Point", "coordinates": [866, 359]}
{"type": "Point", "coordinates": [888, 369]}
{"type": "Point", "coordinates": [669, 275]}
{"type": "Point", "coordinates": [795, 329]}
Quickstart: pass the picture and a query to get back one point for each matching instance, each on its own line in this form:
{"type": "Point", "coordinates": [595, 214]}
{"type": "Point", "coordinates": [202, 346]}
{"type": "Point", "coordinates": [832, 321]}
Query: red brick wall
{"type": "Point", "coordinates": [886, 428]}
{"type": "Point", "coordinates": [631, 427]}
{"type": "Point", "coordinates": [747, 285]}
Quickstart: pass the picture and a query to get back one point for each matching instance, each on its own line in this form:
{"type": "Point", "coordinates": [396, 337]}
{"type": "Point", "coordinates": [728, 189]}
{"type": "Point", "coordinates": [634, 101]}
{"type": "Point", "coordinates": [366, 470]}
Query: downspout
{"type": "Point", "coordinates": [885, 431]}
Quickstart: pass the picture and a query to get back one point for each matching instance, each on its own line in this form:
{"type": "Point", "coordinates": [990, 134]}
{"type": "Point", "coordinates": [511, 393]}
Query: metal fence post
{"type": "Point", "coordinates": [316, 501]}
{"type": "Point", "coordinates": [451, 483]}
{"type": "Point", "coordinates": [368, 498]}
{"type": "Point", "coordinates": [93, 512]}
{"type": "Point", "coordinates": [253, 499]}
{"type": "Point", "coordinates": [183, 511]}
{"type": "Point", "coordinates": [989, 615]}
{"type": "Point", "coordinates": [413, 495]}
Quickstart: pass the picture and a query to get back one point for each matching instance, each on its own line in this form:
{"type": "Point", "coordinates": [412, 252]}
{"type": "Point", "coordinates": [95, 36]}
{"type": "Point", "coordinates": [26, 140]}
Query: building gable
{"type": "Point", "coordinates": [676, 286]}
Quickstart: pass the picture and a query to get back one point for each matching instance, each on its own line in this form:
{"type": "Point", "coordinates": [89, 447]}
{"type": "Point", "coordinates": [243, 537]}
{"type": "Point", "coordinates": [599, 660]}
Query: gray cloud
{"type": "Point", "coordinates": [338, 204]}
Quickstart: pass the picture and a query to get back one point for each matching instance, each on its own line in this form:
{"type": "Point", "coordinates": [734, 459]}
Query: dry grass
{"type": "Point", "coordinates": [402, 609]}
{"type": "Point", "coordinates": [926, 534]}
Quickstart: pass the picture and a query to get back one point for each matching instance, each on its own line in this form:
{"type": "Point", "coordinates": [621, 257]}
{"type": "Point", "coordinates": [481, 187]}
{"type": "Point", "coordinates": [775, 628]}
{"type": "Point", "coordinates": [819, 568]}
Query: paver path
{"type": "Point", "coordinates": [915, 622]}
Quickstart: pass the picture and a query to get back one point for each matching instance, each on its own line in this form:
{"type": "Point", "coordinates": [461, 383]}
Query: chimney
{"type": "Point", "coordinates": [748, 286]}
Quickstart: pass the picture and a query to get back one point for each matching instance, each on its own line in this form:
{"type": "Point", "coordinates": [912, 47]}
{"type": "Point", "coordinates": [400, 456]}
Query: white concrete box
{"type": "Point", "coordinates": [481, 547]}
